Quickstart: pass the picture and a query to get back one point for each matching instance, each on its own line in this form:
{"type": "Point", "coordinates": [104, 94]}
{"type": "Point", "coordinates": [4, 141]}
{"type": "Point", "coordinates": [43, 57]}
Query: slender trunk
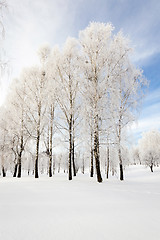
{"type": "Point", "coordinates": [70, 129]}
{"type": "Point", "coordinates": [37, 155]}
{"type": "Point", "coordinates": [19, 166]}
{"type": "Point", "coordinates": [70, 149]}
{"type": "Point", "coordinates": [121, 172]}
{"type": "Point", "coordinates": [50, 164]}
{"type": "Point", "coordinates": [38, 140]}
{"type": "Point", "coordinates": [96, 151]}
{"type": "Point", "coordinates": [92, 169]}
{"type": "Point", "coordinates": [51, 139]}
{"type": "Point", "coordinates": [119, 151]}
{"type": "Point", "coordinates": [73, 159]}
{"type": "Point", "coordinates": [73, 146]}
{"type": "Point", "coordinates": [151, 167]}
{"type": "Point", "coordinates": [15, 170]}
{"type": "Point", "coordinates": [107, 173]}
{"type": "Point", "coordinates": [120, 165]}
{"type": "Point", "coordinates": [20, 157]}
{"type": "Point", "coordinates": [3, 172]}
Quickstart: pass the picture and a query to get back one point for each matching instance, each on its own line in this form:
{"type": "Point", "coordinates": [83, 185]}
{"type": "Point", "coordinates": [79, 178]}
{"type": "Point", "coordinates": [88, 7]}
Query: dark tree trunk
{"type": "Point", "coordinates": [15, 170]}
{"type": "Point", "coordinates": [120, 165]}
{"type": "Point", "coordinates": [50, 159]}
{"type": "Point", "coordinates": [3, 172]}
{"type": "Point", "coordinates": [50, 143]}
{"type": "Point", "coordinates": [96, 152]}
{"type": "Point", "coordinates": [70, 150]}
{"type": "Point", "coordinates": [73, 159]}
{"type": "Point", "coordinates": [20, 155]}
{"type": "Point", "coordinates": [107, 173]}
{"type": "Point", "coordinates": [37, 155]}
{"type": "Point", "coordinates": [121, 172]}
{"type": "Point", "coordinates": [20, 162]}
{"type": "Point", "coordinates": [50, 166]}
{"type": "Point", "coordinates": [151, 167]}
{"type": "Point", "coordinates": [19, 166]}
{"type": "Point", "coordinates": [92, 169]}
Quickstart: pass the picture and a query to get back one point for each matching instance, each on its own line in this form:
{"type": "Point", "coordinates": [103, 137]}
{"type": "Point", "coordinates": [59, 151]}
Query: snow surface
{"type": "Point", "coordinates": [55, 208]}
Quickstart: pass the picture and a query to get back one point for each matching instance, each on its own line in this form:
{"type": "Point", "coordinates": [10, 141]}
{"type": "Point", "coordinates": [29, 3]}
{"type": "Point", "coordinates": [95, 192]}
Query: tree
{"type": "Point", "coordinates": [149, 148]}
{"type": "Point", "coordinates": [95, 42]}
{"type": "Point", "coordinates": [36, 105]}
{"type": "Point", "coordinates": [46, 59]}
{"type": "Point", "coordinates": [16, 107]}
{"type": "Point", "coordinates": [67, 74]}
{"type": "Point", "coordinates": [126, 92]}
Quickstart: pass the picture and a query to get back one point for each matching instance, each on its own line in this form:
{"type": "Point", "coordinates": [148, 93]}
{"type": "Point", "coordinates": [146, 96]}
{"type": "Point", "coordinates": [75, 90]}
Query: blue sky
{"type": "Point", "coordinates": [30, 23]}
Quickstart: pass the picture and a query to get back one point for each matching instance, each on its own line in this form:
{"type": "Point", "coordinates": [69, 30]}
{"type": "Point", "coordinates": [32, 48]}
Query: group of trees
{"type": "Point", "coordinates": [79, 100]}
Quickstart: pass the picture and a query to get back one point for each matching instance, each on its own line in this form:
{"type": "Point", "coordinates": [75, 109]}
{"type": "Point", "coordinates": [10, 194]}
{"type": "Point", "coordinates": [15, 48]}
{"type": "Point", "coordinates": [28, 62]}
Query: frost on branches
{"type": "Point", "coordinates": [149, 148]}
{"type": "Point", "coordinates": [71, 111]}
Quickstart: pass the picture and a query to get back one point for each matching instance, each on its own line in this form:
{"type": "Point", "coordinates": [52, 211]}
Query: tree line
{"type": "Point", "coordinates": [73, 107]}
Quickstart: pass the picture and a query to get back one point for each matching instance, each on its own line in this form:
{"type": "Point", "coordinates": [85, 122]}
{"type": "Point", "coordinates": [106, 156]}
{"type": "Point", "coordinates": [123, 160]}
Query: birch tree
{"type": "Point", "coordinates": [36, 104]}
{"type": "Point", "coordinates": [67, 76]}
{"type": "Point", "coordinates": [126, 92]}
{"type": "Point", "coordinates": [95, 42]}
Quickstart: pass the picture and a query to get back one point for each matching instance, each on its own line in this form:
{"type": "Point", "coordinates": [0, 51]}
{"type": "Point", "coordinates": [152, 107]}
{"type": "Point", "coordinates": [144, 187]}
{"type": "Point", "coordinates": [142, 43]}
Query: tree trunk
{"type": "Point", "coordinates": [120, 165]}
{"type": "Point", "coordinates": [92, 169]}
{"type": "Point", "coordinates": [70, 128]}
{"type": "Point", "coordinates": [73, 159]}
{"type": "Point", "coordinates": [107, 173]}
{"type": "Point", "coordinates": [20, 159]}
{"type": "Point", "coordinates": [15, 170]}
{"type": "Point", "coordinates": [37, 155]}
{"type": "Point", "coordinates": [151, 167]}
{"type": "Point", "coordinates": [3, 172]}
{"type": "Point", "coordinates": [19, 165]}
{"type": "Point", "coordinates": [70, 150]}
{"type": "Point", "coordinates": [73, 147]}
{"type": "Point", "coordinates": [121, 172]}
{"type": "Point", "coordinates": [96, 151]}
{"type": "Point", "coordinates": [38, 140]}
{"type": "Point", "coordinates": [50, 166]}
{"type": "Point", "coordinates": [51, 139]}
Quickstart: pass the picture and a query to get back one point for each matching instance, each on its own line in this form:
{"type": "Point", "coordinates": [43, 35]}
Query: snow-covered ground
{"type": "Point", "coordinates": [58, 209]}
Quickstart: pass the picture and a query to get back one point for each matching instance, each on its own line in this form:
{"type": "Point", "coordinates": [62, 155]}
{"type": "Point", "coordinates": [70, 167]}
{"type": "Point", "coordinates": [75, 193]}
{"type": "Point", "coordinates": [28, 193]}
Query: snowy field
{"type": "Point", "coordinates": [45, 209]}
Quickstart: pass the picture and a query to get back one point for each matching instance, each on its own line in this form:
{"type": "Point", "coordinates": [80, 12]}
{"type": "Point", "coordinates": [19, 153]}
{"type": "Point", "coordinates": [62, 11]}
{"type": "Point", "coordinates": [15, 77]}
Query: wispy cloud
{"type": "Point", "coordinates": [31, 23]}
{"type": "Point", "coordinates": [150, 115]}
